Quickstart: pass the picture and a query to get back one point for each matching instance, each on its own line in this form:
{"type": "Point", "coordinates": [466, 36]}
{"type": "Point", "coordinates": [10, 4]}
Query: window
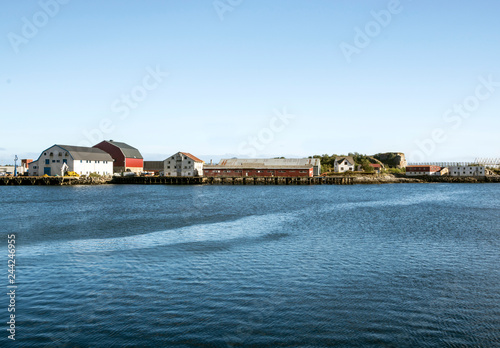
{"type": "Point", "coordinates": [189, 162]}
{"type": "Point", "coordinates": [47, 161]}
{"type": "Point", "coordinates": [58, 161]}
{"type": "Point", "coordinates": [81, 161]}
{"type": "Point", "coordinates": [65, 161]}
{"type": "Point", "coordinates": [168, 162]}
{"type": "Point", "coordinates": [53, 161]}
{"type": "Point", "coordinates": [60, 154]}
{"type": "Point", "coordinates": [45, 153]}
{"type": "Point", "coordinates": [168, 167]}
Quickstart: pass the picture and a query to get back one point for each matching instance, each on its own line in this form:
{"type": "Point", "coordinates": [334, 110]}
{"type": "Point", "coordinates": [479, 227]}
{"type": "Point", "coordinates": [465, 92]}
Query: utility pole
{"type": "Point", "coordinates": [15, 165]}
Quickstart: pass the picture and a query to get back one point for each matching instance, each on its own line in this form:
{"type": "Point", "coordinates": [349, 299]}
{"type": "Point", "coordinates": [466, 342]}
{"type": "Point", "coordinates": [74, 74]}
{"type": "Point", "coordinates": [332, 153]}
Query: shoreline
{"type": "Point", "coordinates": [356, 179]}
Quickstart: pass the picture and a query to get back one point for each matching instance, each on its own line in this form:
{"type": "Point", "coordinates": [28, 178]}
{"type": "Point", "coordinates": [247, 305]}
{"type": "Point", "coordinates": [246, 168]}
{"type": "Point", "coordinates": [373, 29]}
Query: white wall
{"type": "Point", "coordinates": [56, 161]}
{"type": "Point", "coordinates": [180, 165]}
{"type": "Point", "coordinates": [343, 166]}
{"type": "Point", "coordinates": [467, 171]}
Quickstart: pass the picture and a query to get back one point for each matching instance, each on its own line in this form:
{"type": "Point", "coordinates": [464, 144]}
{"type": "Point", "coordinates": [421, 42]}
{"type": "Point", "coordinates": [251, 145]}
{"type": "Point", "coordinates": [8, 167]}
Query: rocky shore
{"type": "Point", "coordinates": [402, 179]}
{"type": "Point", "coordinates": [353, 179]}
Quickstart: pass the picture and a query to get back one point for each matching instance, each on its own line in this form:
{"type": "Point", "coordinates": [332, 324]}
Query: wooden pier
{"type": "Point", "coordinates": [280, 181]}
{"type": "Point", "coordinates": [158, 180]}
{"type": "Point", "coordinates": [37, 180]}
{"type": "Point", "coordinates": [171, 180]}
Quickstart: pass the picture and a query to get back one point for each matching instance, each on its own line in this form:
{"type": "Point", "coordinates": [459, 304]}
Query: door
{"type": "Point", "coordinates": [46, 170]}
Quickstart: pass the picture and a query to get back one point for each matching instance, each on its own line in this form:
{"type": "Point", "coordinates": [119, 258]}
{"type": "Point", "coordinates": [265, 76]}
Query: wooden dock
{"type": "Point", "coordinates": [345, 180]}
{"type": "Point", "coordinates": [170, 180]}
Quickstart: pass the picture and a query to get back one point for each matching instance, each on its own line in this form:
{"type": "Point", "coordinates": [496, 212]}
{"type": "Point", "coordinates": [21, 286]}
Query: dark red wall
{"type": "Point", "coordinates": [134, 162]}
{"type": "Point", "coordinates": [114, 151]}
{"type": "Point", "coordinates": [288, 173]}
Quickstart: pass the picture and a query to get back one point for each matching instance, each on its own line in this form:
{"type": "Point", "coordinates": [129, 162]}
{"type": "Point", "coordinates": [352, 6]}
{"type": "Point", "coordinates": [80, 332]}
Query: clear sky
{"type": "Point", "coordinates": [211, 77]}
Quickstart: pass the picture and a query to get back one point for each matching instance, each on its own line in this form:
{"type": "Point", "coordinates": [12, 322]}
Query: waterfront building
{"type": "Point", "coordinates": [154, 166]}
{"type": "Point", "coordinates": [343, 164]}
{"type": "Point", "coordinates": [376, 166]}
{"type": "Point", "coordinates": [126, 158]}
{"type": "Point", "coordinates": [59, 159]}
{"type": "Point", "coordinates": [288, 167]}
{"type": "Point", "coordinates": [257, 171]}
{"type": "Point", "coordinates": [415, 170]}
{"type": "Point", "coordinates": [183, 164]}
{"type": "Point", "coordinates": [467, 171]}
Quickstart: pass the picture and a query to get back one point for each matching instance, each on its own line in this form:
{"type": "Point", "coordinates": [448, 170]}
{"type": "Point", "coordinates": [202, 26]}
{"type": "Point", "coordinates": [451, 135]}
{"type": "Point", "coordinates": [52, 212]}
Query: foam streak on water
{"type": "Point", "coordinates": [217, 266]}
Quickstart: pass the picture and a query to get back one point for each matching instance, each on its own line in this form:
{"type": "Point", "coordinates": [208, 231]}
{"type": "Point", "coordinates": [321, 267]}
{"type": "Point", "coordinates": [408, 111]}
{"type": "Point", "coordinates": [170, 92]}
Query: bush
{"type": "Point", "coordinates": [395, 170]}
{"type": "Point", "coordinates": [94, 175]}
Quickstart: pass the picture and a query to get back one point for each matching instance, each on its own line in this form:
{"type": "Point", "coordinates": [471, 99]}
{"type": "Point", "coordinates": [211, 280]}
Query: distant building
{"type": "Point", "coordinates": [258, 170]}
{"type": "Point", "coordinates": [376, 166]}
{"type": "Point", "coordinates": [58, 159]}
{"type": "Point", "coordinates": [126, 158]}
{"type": "Point", "coordinates": [6, 170]}
{"type": "Point", "coordinates": [183, 164]}
{"type": "Point", "coordinates": [415, 170]}
{"type": "Point", "coordinates": [467, 170]}
{"type": "Point", "coordinates": [264, 166]}
{"type": "Point", "coordinates": [22, 168]}
{"type": "Point", "coordinates": [343, 164]}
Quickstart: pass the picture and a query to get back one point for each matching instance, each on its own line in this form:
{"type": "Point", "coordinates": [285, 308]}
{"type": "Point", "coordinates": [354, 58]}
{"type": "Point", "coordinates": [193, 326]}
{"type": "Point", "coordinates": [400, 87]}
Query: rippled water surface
{"type": "Point", "coordinates": [316, 266]}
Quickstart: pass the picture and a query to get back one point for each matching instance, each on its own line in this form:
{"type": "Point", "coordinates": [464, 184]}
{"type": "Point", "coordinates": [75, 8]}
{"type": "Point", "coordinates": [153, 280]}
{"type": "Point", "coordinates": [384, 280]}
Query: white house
{"type": "Point", "coordinates": [467, 171]}
{"type": "Point", "coordinates": [343, 164]}
{"type": "Point", "coordinates": [183, 164]}
{"type": "Point", "coordinates": [58, 159]}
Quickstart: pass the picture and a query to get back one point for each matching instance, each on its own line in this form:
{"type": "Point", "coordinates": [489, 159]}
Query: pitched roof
{"type": "Point", "coordinates": [86, 153]}
{"type": "Point", "coordinates": [349, 158]}
{"type": "Point", "coordinates": [255, 166]}
{"type": "Point", "coordinates": [128, 151]}
{"type": "Point", "coordinates": [194, 158]}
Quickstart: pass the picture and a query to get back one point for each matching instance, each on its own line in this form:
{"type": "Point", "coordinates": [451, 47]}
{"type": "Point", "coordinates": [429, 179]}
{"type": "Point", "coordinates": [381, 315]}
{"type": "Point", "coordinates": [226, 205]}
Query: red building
{"type": "Point", "coordinates": [376, 166]}
{"type": "Point", "coordinates": [126, 158]}
{"type": "Point", "coordinates": [423, 170]}
{"type": "Point", "coordinates": [239, 171]}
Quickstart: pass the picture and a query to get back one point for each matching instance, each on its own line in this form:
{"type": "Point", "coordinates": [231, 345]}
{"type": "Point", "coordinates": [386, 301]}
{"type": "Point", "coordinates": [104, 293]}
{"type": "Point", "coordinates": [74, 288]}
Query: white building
{"type": "Point", "coordinates": [343, 164]}
{"type": "Point", "coordinates": [183, 164]}
{"type": "Point", "coordinates": [467, 171]}
{"type": "Point", "coordinates": [59, 159]}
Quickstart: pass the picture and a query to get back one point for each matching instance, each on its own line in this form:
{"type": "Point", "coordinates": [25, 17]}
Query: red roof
{"type": "Point", "coordinates": [375, 165]}
{"type": "Point", "coordinates": [194, 158]}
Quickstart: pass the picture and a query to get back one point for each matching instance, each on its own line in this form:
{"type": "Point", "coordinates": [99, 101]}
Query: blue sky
{"type": "Point", "coordinates": [225, 76]}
